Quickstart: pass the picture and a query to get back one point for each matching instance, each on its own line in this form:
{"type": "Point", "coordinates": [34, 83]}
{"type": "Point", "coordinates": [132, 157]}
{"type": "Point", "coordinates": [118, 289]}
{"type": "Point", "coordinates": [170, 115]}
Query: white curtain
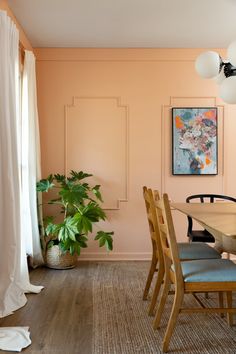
{"type": "Point", "coordinates": [14, 277]}
{"type": "Point", "coordinates": [31, 169]}
{"type": "Point", "coordinates": [11, 293]}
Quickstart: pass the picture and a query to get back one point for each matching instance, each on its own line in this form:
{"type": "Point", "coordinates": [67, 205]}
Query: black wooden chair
{"type": "Point", "coordinates": [203, 235]}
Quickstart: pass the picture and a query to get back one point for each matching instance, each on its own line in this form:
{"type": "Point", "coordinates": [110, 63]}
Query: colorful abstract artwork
{"type": "Point", "coordinates": [194, 133]}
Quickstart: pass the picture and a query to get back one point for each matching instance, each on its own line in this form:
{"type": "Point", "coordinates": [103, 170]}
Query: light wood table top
{"type": "Point", "coordinates": [220, 217]}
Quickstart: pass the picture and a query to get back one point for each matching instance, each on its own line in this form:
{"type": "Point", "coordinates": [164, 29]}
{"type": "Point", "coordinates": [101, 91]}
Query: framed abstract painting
{"type": "Point", "coordinates": [194, 141]}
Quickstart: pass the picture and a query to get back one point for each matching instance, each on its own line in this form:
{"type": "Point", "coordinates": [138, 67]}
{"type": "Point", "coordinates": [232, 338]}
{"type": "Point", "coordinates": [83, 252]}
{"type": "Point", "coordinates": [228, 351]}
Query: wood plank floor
{"type": "Point", "coordinates": [61, 316]}
{"type": "Point", "coordinates": [97, 307]}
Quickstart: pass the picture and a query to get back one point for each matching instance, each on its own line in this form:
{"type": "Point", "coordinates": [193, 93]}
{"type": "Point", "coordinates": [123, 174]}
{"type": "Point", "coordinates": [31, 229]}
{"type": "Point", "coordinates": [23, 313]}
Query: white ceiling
{"type": "Point", "coordinates": [127, 23]}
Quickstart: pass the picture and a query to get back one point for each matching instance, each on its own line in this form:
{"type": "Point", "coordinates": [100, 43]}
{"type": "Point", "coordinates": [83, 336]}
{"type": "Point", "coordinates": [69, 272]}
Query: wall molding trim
{"type": "Point", "coordinates": [75, 102]}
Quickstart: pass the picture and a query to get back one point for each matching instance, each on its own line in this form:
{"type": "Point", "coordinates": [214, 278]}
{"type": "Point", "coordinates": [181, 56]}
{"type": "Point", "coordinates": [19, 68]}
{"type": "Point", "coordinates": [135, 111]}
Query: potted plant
{"type": "Point", "coordinates": [65, 233]}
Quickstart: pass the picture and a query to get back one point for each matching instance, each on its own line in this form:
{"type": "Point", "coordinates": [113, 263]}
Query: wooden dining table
{"type": "Point", "coordinates": [218, 218]}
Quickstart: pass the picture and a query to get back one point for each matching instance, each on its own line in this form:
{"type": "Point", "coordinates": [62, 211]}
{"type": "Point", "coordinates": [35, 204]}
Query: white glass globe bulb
{"type": "Point", "coordinates": [228, 90]}
{"type": "Point", "coordinates": [207, 64]}
{"type": "Point", "coordinates": [231, 52]}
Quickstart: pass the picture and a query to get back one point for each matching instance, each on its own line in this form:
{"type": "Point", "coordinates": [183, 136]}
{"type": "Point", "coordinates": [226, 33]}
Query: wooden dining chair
{"type": "Point", "coordinates": [196, 276]}
{"type": "Point", "coordinates": [203, 235]}
{"type": "Point", "coordinates": [188, 251]}
{"type": "Point", "coordinates": [157, 262]}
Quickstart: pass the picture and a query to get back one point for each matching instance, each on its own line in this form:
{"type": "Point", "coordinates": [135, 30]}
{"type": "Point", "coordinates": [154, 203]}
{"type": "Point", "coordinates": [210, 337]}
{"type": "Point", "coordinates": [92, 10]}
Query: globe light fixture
{"type": "Point", "coordinates": [210, 65]}
{"type": "Point", "coordinates": [228, 90]}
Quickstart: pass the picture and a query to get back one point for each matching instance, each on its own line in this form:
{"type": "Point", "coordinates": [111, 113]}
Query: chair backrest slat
{"type": "Point", "coordinates": [152, 220]}
{"type": "Point", "coordinates": [171, 248]}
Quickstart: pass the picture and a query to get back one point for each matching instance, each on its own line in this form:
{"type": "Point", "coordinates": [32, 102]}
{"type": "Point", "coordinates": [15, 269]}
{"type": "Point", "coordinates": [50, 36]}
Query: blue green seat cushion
{"type": "Point", "coordinates": [196, 250]}
{"type": "Point", "coordinates": [209, 270]}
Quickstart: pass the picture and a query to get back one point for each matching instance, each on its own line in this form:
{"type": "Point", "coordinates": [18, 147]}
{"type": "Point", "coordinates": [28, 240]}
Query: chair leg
{"type": "Point", "coordinates": [150, 276]}
{"type": "Point", "coordinates": [179, 295]}
{"type": "Point", "coordinates": [229, 304]}
{"type": "Point", "coordinates": [221, 302]}
{"type": "Point", "coordinates": [160, 276]}
{"type": "Point", "coordinates": [161, 305]}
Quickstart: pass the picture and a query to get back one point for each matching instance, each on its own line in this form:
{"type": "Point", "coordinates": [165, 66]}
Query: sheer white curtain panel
{"type": "Point", "coordinates": [11, 293]}
{"type": "Point", "coordinates": [31, 169]}
{"type": "Point", "coordinates": [14, 276]}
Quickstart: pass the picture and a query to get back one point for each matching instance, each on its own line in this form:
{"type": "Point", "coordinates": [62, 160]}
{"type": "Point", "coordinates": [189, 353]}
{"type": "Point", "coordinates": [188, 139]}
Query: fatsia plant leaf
{"type": "Point", "coordinates": [60, 178]}
{"type": "Point", "coordinates": [44, 185]}
{"type": "Point", "coordinates": [102, 241]}
{"type": "Point", "coordinates": [50, 229]}
{"type": "Point", "coordinates": [82, 240]}
{"type": "Point", "coordinates": [65, 245]}
{"type": "Point", "coordinates": [105, 238]}
{"type": "Point", "coordinates": [81, 237]}
{"type": "Point", "coordinates": [109, 243]}
{"type": "Point", "coordinates": [79, 175]}
{"type": "Point", "coordinates": [72, 249]}
{"type": "Point", "coordinates": [94, 212]}
{"type": "Point", "coordinates": [78, 249]}
{"type": "Point", "coordinates": [73, 195]}
{"type": "Point", "coordinates": [67, 230]}
{"type": "Point", "coordinates": [97, 192]}
{"type": "Point", "coordinates": [84, 224]}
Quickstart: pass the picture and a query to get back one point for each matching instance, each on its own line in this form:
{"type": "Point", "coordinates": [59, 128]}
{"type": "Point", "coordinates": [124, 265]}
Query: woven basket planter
{"type": "Point", "coordinates": [56, 259]}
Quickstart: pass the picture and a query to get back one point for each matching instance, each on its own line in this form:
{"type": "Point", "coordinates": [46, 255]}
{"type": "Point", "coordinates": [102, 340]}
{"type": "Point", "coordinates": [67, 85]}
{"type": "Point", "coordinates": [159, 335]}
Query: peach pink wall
{"type": "Point", "coordinates": [107, 111]}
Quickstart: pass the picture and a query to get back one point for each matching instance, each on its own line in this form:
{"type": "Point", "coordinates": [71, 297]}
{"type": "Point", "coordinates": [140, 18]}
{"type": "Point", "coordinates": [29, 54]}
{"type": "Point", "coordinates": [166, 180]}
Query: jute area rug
{"type": "Point", "coordinates": [122, 326]}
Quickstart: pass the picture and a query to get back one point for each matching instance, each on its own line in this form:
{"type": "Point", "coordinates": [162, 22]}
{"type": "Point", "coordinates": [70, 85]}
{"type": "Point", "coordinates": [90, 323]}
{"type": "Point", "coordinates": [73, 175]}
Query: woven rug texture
{"type": "Point", "coordinates": [122, 325]}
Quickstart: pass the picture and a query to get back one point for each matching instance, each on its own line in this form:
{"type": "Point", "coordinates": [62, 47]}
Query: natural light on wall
{"type": "Point", "coordinates": [210, 65]}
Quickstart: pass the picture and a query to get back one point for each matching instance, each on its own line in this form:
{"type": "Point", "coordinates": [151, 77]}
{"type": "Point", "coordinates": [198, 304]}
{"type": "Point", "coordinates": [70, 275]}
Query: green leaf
{"type": "Point", "coordinates": [109, 244]}
{"type": "Point", "coordinates": [81, 238]}
{"type": "Point", "coordinates": [60, 178]}
{"type": "Point", "coordinates": [102, 241]}
{"type": "Point", "coordinates": [102, 234]}
{"type": "Point", "coordinates": [97, 192]}
{"type": "Point", "coordinates": [44, 185]}
{"type": "Point", "coordinates": [83, 244]}
{"type": "Point", "coordinates": [84, 224]}
{"type": "Point", "coordinates": [67, 229]}
{"type": "Point", "coordinates": [105, 238]}
{"type": "Point", "coordinates": [79, 175]}
{"type": "Point", "coordinates": [94, 212]}
{"type": "Point", "coordinates": [72, 249]}
{"type": "Point", "coordinates": [64, 247]}
{"type": "Point", "coordinates": [78, 249]}
{"type": "Point", "coordinates": [74, 194]}
{"type": "Point", "coordinates": [52, 229]}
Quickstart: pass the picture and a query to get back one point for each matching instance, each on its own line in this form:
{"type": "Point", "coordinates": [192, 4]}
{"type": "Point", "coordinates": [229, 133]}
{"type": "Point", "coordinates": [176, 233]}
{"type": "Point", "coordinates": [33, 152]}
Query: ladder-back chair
{"type": "Point", "coordinates": [188, 251]}
{"type": "Point", "coordinates": [204, 235]}
{"type": "Point", "coordinates": [208, 275]}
